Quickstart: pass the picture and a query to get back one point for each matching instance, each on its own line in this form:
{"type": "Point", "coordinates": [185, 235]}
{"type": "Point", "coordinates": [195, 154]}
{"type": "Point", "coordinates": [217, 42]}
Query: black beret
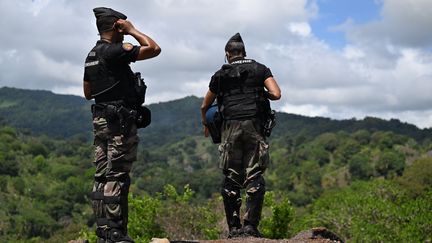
{"type": "Point", "coordinates": [107, 12]}
{"type": "Point", "coordinates": [235, 38]}
{"type": "Point", "coordinates": [235, 43]}
{"type": "Point", "coordinates": [105, 18]}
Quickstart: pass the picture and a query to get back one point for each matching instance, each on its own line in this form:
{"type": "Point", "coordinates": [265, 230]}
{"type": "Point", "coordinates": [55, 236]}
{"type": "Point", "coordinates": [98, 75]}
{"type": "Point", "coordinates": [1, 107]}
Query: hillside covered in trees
{"type": "Point", "coordinates": [366, 180]}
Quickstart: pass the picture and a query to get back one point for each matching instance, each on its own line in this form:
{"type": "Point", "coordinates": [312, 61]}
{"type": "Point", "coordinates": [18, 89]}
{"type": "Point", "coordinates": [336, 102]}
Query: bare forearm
{"type": "Point", "coordinates": [87, 90]}
{"type": "Point", "coordinates": [274, 92]}
{"type": "Point", "coordinates": [143, 39]}
{"type": "Point", "coordinates": [149, 48]}
{"type": "Point", "coordinates": [273, 95]}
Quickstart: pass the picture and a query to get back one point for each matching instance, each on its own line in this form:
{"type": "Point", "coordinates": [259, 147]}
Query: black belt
{"type": "Point", "coordinates": [102, 108]}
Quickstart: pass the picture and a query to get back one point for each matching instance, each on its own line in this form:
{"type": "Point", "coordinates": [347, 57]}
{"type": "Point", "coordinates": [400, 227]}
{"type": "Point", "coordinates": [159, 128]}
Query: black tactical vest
{"type": "Point", "coordinates": [108, 82]}
{"type": "Point", "coordinates": [240, 92]}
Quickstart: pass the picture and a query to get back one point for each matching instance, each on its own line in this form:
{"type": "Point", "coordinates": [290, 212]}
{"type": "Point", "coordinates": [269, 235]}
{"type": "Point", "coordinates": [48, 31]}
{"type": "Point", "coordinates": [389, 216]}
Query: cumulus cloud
{"type": "Point", "coordinates": [384, 70]}
{"type": "Point", "coordinates": [300, 28]}
{"type": "Point", "coordinates": [402, 23]}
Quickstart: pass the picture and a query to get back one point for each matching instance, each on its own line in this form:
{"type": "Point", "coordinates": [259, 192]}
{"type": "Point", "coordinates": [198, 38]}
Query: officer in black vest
{"type": "Point", "coordinates": [118, 94]}
{"type": "Point", "coordinates": [243, 89]}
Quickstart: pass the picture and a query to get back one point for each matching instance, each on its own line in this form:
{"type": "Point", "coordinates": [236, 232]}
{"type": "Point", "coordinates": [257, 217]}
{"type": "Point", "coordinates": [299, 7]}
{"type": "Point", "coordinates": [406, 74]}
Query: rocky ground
{"type": "Point", "coordinates": [315, 235]}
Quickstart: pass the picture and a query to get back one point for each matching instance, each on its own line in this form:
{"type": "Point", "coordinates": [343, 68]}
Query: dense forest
{"type": "Point", "coordinates": [367, 180]}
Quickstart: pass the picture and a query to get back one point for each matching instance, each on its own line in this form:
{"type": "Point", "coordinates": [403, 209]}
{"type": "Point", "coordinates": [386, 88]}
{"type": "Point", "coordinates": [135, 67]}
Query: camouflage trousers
{"type": "Point", "coordinates": [244, 159]}
{"type": "Point", "coordinates": [114, 154]}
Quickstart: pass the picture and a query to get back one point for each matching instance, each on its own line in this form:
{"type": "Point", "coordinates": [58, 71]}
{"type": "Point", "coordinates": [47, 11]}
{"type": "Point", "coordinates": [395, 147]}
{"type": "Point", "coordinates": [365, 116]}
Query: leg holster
{"type": "Point", "coordinates": [232, 202]}
{"type": "Point", "coordinates": [112, 207]}
{"type": "Point", "coordinates": [255, 191]}
{"type": "Point", "coordinates": [97, 200]}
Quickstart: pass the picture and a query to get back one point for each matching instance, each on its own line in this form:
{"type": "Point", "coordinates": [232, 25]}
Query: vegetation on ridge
{"type": "Point", "coordinates": [368, 184]}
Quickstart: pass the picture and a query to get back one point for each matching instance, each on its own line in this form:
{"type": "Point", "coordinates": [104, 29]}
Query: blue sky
{"type": "Point", "coordinates": [334, 13]}
{"type": "Point", "coordinates": [332, 58]}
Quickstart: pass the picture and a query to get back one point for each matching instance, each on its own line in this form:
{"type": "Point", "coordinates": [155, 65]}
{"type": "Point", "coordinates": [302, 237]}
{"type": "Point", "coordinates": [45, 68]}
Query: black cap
{"type": "Point", "coordinates": [106, 17]}
{"type": "Point", "coordinates": [235, 43]}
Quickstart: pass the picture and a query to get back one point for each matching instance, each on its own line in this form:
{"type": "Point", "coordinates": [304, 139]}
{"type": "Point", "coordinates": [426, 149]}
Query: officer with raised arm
{"type": "Point", "coordinates": [243, 89]}
{"type": "Point", "coordinates": [117, 113]}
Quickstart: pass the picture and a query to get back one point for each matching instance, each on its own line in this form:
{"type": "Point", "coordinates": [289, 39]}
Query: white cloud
{"type": "Point", "coordinates": [59, 71]}
{"type": "Point", "coordinates": [402, 23]}
{"type": "Point", "coordinates": [306, 109]}
{"type": "Point", "coordinates": [385, 69]}
{"type": "Point", "coordinates": [352, 52]}
{"type": "Point", "coordinates": [302, 29]}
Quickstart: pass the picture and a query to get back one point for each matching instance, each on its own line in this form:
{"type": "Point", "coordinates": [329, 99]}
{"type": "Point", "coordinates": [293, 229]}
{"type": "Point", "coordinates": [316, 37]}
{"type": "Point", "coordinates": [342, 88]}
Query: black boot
{"type": "Point", "coordinates": [235, 232]}
{"type": "Point", "coordinates": [235, 227]}
{"type": "Point", "coordinates": [116, 236]}
{"type": "Point", "coordinates": [251, 230]}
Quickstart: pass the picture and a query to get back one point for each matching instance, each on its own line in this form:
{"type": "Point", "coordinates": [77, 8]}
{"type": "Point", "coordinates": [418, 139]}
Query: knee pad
{"type": "Point", "coordinates": [97, 199]}
{"type": "Point", "coordinates": [112, 200]}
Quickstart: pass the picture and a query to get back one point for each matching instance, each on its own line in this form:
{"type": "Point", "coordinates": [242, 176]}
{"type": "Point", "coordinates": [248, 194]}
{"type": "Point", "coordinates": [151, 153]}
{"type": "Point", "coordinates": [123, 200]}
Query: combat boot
{"type": "Point", "coordinates": [234, 225]}
{"type": "Point", "coordinates": [113, 236]}
{"type": "Point", "coordinates": [250, 230]}
{"type": "Point", "coordinates": [235, 232]}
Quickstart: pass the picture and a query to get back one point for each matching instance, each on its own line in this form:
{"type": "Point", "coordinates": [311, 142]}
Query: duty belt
{"type": "Point", "coordinates": [102, 106]}
{"type": "Point", "coordinates": [115, 110]}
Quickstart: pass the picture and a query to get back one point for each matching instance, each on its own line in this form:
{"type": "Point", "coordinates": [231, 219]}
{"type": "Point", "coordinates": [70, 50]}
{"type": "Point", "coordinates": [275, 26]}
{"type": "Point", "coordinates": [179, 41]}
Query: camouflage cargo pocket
{"type": "Point", "coordinates": [263, 153]}
{"type": "Point", "coordinates": [100, 128]}
{"type": "Point", "coordinates": [124, 148]}
{"type": "Point", "coordinates": [224, 151]}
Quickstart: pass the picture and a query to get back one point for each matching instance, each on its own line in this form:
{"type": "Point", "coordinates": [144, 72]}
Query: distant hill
{"type": "Point", "coordinates": [295, 125]}
{"type": "Point", "coordinates": [43, 112]}
{"type": "Point", "coordinates": [63, 116]}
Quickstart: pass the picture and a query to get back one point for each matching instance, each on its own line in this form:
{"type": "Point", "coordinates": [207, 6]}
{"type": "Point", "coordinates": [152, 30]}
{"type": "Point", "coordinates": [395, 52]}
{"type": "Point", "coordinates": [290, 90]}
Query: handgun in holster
{"type": "Point", "coordinates": [126, 119]}
{"type": "Point", "coordinates": [270, 123]}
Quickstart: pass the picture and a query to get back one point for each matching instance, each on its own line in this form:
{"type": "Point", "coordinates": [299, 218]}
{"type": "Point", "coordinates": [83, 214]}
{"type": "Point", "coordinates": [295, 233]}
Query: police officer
{"type": "Point", "coordinates": [109, 80]}
{"type": "Point", "coordinates": [243, 89]}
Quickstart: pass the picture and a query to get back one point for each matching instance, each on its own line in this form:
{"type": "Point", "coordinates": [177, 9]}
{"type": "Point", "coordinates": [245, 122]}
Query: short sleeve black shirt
{"type": "Point", "coordinates": [262, 74]}
{"type": "Point", "coordinates": [118, 54]}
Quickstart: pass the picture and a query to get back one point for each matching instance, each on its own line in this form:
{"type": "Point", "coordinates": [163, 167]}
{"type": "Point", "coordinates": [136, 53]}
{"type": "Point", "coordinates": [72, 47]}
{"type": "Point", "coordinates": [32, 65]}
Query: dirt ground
{"type": "Point", "coordinates": [314, 235]}
{"type": "Point", "coordinates": [261, 240]}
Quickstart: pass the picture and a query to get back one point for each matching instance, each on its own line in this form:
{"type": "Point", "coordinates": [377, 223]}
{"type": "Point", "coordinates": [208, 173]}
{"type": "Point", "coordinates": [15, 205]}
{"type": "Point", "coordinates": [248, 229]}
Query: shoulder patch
{"type": "Point", "coordinates": [127, 46]}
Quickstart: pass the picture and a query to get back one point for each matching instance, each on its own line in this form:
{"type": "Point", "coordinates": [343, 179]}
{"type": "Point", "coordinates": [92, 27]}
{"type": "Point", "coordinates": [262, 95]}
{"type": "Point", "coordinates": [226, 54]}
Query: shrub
{"type": "Point", "coordinates": [277, 224]}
